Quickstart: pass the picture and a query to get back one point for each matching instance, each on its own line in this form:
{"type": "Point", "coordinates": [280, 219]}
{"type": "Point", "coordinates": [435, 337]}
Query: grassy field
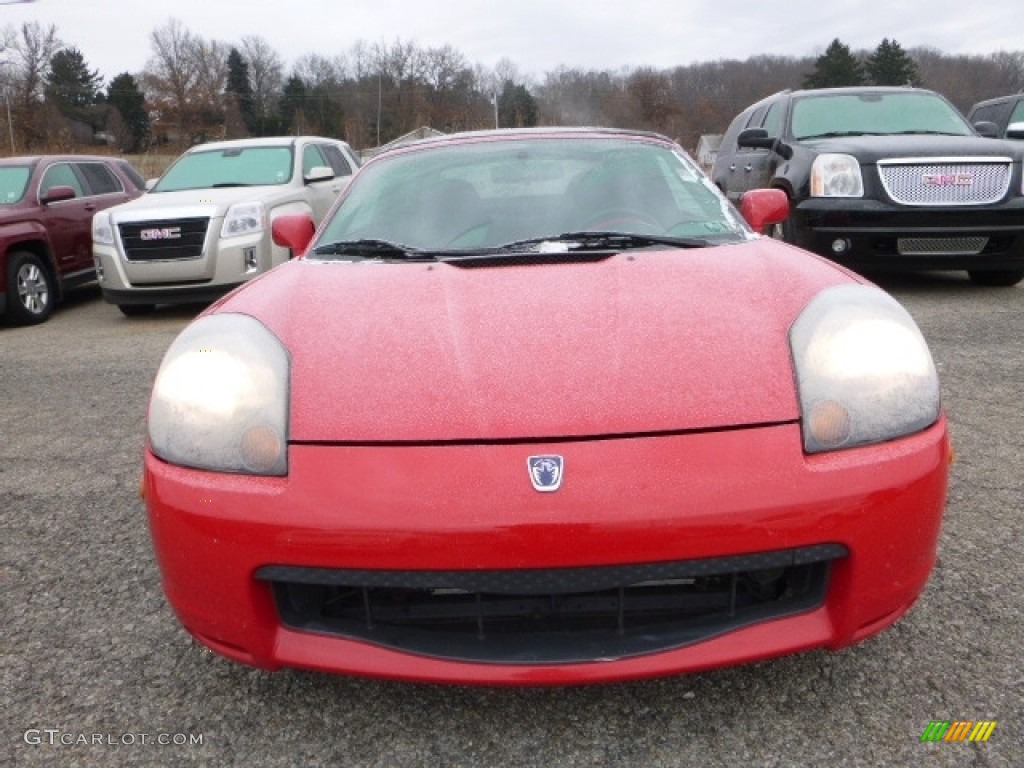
{"type": "Point", "coordinates": [150, 165]}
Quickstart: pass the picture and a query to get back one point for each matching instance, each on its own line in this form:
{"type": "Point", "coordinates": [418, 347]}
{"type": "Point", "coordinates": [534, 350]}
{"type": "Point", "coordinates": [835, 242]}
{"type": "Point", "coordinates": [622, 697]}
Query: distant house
{"type": "Point", "coordinates": [420, 133]}
{"type": "Point", "coordinates": [707, 149]}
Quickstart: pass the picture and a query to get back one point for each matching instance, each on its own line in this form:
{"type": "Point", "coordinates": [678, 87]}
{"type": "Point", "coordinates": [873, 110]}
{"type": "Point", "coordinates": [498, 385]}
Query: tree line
{"type": "Point", "coordinates": [194, 89]}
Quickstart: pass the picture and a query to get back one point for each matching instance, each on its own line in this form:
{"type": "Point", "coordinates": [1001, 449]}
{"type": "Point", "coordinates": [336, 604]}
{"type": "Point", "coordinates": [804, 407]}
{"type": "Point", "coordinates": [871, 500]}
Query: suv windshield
{"type": "Point", "coordinates": [13, 183]}
{"type": "Point", "coordinates": [228, 167]}
{"type": "Point", "coordinates": [488, 194]}
{"type": "Point", "coordinates": [875, 113]}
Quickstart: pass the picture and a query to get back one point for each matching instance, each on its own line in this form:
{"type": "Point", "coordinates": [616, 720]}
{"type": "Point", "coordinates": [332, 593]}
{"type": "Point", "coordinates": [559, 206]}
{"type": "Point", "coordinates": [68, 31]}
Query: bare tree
{"type": "Point", "coordinates": [30, 48]}
{"type": "Point", "coordinates": [185, 79]}
{"type": "Point", "coordinates": [27, 51]}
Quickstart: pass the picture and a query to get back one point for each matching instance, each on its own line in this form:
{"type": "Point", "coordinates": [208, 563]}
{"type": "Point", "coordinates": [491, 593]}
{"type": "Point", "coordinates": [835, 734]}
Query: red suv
{"type": "Point", "coordinates": [46, 209]}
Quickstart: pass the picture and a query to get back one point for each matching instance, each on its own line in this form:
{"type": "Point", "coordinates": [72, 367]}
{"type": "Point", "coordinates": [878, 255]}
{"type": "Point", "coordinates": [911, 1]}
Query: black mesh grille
{"type": "Point", "coordinates": [556, 615]}
{"type": "Point", "coordinates": [163, 240]}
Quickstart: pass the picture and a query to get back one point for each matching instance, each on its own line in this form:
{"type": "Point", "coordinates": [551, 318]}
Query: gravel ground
{"type": "Point", "coordinates": [91, 652]}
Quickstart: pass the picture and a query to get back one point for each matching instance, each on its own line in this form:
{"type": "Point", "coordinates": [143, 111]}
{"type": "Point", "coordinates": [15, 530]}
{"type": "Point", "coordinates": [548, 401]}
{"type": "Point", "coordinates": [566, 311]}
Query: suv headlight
{"type": "Point", "coordinates": [243, 219]}
{"type": "Point", "coordinates": [220, 399]}
{"type": "Point", "coordinates": [863, 370]}
{"type": "Point", "coordinates": [102, 229]}
{"type": "Point", "coordinates": [834, 175]}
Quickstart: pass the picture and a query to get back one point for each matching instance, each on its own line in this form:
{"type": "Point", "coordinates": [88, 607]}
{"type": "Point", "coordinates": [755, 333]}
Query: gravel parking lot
{"type": "Point", "coordinates": [96, 670]}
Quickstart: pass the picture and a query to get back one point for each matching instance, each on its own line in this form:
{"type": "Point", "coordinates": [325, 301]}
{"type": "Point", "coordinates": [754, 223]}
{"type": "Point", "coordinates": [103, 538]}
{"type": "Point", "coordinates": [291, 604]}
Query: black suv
{"type": "Point", "coordinates": [1006, 113]}
{"type": "Point", "coordinates": [883, 179]}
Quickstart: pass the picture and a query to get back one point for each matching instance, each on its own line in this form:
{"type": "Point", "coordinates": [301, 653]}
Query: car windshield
{"type": "Point", "coordinates": [228, 167]}
{"type": "Point", "coordinates": [485, 194]}
{"type": "Point", "coordinates": [877, 113]}
{"type": "Point", "coordinates": [13, 183]}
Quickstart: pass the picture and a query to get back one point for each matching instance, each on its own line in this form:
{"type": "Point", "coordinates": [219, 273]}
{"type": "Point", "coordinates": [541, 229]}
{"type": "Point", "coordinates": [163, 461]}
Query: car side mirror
{"type": "Point", "coordinates": [761, 208]}
{"type": "Point", "coordinates": [318, 173]}
{"type": "Point", "coordinates": [758, 138]}
{"type": "Point", "coordinates": [754, 138]}
{"type": "Point", "coordinates": [56, 194]}
{"type": "Point", "coordinates": [1015, 131]}
{"type": "Point", "coordinates": [294, 231]}
{"type": "Point", "coordinates": [987, 129]}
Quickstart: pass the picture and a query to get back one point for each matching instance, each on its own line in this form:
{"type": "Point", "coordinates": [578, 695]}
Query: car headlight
{"type": "Point", "coordinates": [834, 175]}
{"type": "Point", "coordinates": [102, 229]}
{"type": "Point", "coordinates": [863, 370]}
{"type": "Point", "coordinates": [220, 399]}
{"type": "Point", "coordinates": [243, 219]}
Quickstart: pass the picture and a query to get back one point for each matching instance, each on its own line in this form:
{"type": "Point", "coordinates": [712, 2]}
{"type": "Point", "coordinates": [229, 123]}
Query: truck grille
{"type": "Point", "coordinates": [164, 240]}
{"type": "Point", "coordinates": [935, 181]}
{"type": "Point", "coordinates": [552, 616]}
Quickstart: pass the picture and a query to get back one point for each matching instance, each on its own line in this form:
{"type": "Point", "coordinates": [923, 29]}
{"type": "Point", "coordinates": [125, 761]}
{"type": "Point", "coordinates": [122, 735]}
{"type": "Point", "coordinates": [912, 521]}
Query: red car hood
{"type": "Point", "coordinates": [641, 342]}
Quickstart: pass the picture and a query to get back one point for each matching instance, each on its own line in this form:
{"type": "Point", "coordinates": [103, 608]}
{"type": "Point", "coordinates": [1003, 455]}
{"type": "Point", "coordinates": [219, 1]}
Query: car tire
{"type": "Point", "coordinates": [135, 310]}
{"type": "Point", "coordinates": [998, 278]}
{"type": "Point", "coordinates": [31, 291]}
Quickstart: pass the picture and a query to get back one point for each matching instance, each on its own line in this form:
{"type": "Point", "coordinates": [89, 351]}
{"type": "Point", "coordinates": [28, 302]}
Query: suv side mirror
{"type": "Point", "coordinates": [56, 194]}
{"type": "Point", "coordinates": [318, 173]}
{"type": "Point", "coordinates": [987, 129]}
{"type": "Point", "coordinates": [754, 138]}
{"type": "Point", "coordinates": [758, 138]}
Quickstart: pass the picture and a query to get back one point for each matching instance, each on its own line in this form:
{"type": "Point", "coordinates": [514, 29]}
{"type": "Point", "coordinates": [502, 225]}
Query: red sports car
{"type": "Point", "coordinates": [540, 407]}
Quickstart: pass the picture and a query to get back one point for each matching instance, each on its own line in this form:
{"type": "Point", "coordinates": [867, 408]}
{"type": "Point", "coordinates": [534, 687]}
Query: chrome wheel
{"type": "Point", "coordinates": [33, 289]}
{"type": "Point", "coordinates": [31, 292]}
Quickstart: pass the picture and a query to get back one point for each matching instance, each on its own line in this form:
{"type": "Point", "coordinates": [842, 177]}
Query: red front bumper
{"type": "Point", "coordinates": [622, 501]}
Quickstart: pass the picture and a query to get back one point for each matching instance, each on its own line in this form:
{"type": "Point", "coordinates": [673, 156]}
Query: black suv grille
{"type": "Point", "coordinates": [164, 240]}
{"type": "Point", "coordinates": [551, 616]}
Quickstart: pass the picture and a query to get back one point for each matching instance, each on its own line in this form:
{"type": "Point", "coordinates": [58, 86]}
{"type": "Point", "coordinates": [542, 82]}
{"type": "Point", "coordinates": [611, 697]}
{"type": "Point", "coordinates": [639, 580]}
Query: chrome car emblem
{"type": "Point", "coordinates": [545, 472]}
{"type": "Point", "coordinates": [948, 179]}
{"type": "Point", "coordinates": [162, 233]}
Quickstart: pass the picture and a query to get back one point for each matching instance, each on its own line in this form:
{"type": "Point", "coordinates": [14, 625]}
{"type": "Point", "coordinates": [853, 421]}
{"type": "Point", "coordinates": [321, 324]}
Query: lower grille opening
{"type": "Point", "coordinates": [562, 615]}
{"type": "Point", "coordinates": [941, 246]}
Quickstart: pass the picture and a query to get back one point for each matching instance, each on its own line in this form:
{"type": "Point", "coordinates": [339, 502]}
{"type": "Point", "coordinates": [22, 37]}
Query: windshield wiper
{"type": "Point", "coordinates": [369, 248]}
{"type": "Point", "coordinates": [839, 134]}
{"type": "Point", "coordinates": [226, 184]}
{"type": "Point", "coordinates": [924, 131]}
{"type": "Point", "coordinates": [589, 240]}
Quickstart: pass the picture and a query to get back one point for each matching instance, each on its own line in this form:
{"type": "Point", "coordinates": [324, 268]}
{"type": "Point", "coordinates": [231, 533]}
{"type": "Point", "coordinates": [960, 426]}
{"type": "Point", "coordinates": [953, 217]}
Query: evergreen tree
{"type": "Point", "coordinates": [240, 89]}
{"type": "Point", "coordinates": [123, 94]}
{"type": "Point", "coordinates": [69, 83]}
{"type": "Point", "coordinates": [890, 65]}
{"type": "Point", "coordinates": [293, 104]}
{"type": "Point", "coordinates": [836, 68]}
{"type": "Point", "coordinates": [516, 107]}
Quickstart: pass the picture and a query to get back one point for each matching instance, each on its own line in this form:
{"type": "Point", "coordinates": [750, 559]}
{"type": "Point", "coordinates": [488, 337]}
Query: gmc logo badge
{"type": "Point", "coordinates": [948, 179]}
{"type": "Point", "coordinates": [164, 233]}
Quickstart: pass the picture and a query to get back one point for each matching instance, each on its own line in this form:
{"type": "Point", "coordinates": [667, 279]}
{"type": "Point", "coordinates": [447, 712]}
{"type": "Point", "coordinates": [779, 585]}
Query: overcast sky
{"type": "Point", "coordinates": [536, 35]}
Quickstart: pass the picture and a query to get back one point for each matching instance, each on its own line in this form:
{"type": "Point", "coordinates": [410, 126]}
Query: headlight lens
{"type": "Point", "coordinates": [243, 219]}
{"type": "Point", "coordinates": [102, 229]}
{"type": "Point", "coordinates": [220, 399]}
{"type": "Point", "coordinates": [834, 175]}
{"type": "Point", "coordinates": [864, 373]}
